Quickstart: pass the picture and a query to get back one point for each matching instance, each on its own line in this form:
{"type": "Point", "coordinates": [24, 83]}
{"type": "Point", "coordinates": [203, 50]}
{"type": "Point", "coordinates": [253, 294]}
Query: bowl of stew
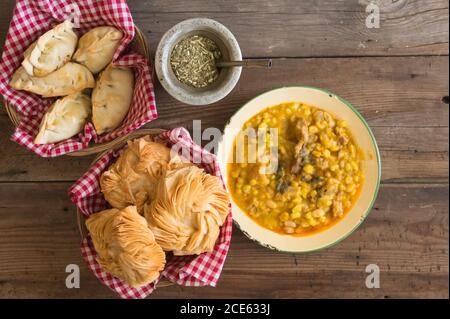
{"type": "Point", "coordinates": [302, 167]}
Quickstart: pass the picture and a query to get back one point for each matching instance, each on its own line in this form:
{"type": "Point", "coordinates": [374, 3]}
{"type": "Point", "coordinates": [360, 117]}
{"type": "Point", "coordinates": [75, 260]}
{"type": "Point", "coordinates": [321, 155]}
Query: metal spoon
{"type": "Point", "coordinates": [249, 63]}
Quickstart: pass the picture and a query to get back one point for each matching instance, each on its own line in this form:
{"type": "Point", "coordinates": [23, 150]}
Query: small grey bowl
{"type": "Point", "coordinates": [228, 77]}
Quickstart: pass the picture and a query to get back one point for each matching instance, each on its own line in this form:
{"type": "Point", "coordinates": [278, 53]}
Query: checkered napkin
{"type": "Point", "coordinates": [32, 18]}
{"type": "Point", "coordinates": [199, 270]}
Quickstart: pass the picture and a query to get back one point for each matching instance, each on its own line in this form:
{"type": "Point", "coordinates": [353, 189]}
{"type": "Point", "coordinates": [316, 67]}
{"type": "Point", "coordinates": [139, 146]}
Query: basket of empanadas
{"type": "Point", "coordinates": [75, 76]}
{"type": "Point", "coordinates": [154, 210]}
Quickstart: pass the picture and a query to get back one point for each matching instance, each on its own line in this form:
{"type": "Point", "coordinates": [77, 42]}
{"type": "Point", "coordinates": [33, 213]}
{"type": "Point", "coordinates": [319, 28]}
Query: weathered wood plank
{"type": "Point", "coordinates": [7, 10]}
{"type": "Point", "coordinates": [406, 235]}
{"type": "Point", "coordinates": [400, 98]}
{"type": "Point", "coordinates": [400, 91]}
{"type": "Point", "coordinates": [406, 153]}
{"type": "Point", "coordinates": [292, 28]}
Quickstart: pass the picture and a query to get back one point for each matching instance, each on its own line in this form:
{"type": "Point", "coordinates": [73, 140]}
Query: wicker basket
{"type": "Point", "coordinates": [114, 145]}
{"type": "Point", "coordinates": [138, 45]}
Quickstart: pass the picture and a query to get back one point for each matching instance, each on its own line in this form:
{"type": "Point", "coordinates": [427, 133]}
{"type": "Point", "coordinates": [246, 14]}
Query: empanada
{"type": "Point", "coordinates": [111, 98]}
{"type": "Point", "coordinates": [51, 51]}
{"type": "Point", "coordinates": [64, 119]}
{"type": "Point", "coordinates": [125, 246]}
{"type": "Point", "coordinates": [189, 208]}
{"type": "Point", "coordinates": [96, 48]}
{"type": "Point", "coordinates": [69, 79]}
{"type": "Point", "coordinates": [132, 179]}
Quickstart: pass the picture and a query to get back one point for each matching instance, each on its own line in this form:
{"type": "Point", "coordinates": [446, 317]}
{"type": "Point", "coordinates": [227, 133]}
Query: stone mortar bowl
{"type": "Point", "coordinates": [228, 77]}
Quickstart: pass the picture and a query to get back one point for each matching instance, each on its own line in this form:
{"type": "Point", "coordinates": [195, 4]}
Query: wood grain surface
{"type": "Point", "coordinates": [293, 28]}
{"type": "Point", "coordinates": [396, 76]}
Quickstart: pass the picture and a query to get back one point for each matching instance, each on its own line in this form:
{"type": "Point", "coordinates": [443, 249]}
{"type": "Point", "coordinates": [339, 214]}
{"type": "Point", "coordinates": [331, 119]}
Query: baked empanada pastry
{"type": "Point", "coordinates": [51, 51]}
{"type": "Point", "coordinates": [69, 79]}
{"type": "Point", "coordinates": [125, 246]}
{"type": "Point", "coordinates": [111, 98]}
{"type": "Point", "coordinates": [132, 179]}
{"type": "Point", "coordinates": [64, 119]}
{"type": "Point", "coordinates": [189, 208]}
{"type": "Point", "coordinates": [96, 48]}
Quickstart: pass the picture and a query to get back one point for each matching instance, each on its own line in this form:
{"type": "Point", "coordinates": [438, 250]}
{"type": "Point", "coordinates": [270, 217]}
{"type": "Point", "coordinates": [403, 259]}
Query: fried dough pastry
{"type": "Point", "coordinates": [189, 208]}
{"type": "Point", "coordinates": [125, 246]}
{"type": "Point", "coordinates": [132, 179]}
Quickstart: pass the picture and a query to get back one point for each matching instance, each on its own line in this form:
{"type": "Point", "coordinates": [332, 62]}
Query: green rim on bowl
{"type": "Point", "coordinates": [376, 152]}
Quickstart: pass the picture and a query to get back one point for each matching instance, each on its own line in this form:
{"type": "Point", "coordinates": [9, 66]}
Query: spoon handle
{"type": "Point", "coordinates": [250, 63]}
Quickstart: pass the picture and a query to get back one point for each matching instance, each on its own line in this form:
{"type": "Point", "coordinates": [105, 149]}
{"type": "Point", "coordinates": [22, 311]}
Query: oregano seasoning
{"type": "Point", "coordinates": [193, 60]}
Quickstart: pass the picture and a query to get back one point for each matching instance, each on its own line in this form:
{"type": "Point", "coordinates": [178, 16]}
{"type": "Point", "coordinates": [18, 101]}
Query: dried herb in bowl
{"type": "Point", "coordinates": [193, 60]}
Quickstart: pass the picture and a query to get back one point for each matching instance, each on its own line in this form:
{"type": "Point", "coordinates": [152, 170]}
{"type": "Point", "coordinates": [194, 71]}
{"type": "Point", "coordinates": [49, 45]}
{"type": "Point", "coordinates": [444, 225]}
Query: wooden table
{"type": "Point", "coordinates": [397, 77]}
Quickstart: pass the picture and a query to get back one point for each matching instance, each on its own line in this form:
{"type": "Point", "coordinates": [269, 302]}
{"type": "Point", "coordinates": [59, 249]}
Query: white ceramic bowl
{"type": "Point", "coordinates": [371, 166]}
{"type": "Point", "coordinates": [228, 77]}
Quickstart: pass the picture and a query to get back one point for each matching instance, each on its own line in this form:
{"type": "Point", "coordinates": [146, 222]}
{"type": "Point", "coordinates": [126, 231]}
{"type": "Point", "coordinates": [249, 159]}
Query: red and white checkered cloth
{"type": "Point", "coordinates": [31, 19]}
{"type": "Point", "coordinates": [199, 270]}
